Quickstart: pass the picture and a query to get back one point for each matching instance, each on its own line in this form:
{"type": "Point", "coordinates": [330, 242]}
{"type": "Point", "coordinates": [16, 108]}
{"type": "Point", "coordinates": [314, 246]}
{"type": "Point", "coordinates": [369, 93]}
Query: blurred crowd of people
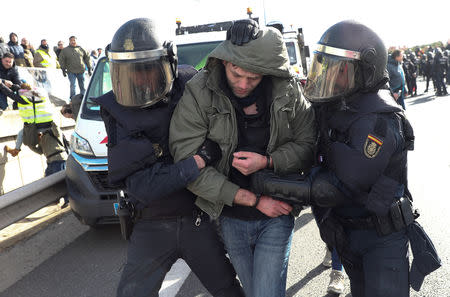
{"type": "Point", "coordinates": [432, 64]}
{"type": "Point", "coordinates": [25, 54]}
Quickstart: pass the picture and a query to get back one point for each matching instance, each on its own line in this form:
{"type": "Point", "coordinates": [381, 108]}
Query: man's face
{"type": "Point", "coordinates": [7, 62]}
{"type": "Point", "coordinates": [99, 51]}
{"type": "Point", "coordinates": [60, 45]}
{"type": "Point", "coordinates": [73, 42]}
{"type": "Point", "coordinates": [146, 79]}
{"type": "Point", "coordinates": [241, 82]}
{"type": "Point", "coordinates": [44, 43]}
{"type": "Point", "coordinates": [14, 38]}
{"type": "Point", "coordinates": [399, 58]}
{"type": "Point", "coordinates": [24, 41]}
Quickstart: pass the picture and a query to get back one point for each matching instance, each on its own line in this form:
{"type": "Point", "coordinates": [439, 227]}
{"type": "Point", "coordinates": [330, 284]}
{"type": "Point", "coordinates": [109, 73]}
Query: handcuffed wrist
{"type": "Point", "coordinates": [258, 197]}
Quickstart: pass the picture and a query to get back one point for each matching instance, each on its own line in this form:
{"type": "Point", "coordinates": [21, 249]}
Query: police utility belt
{"type": "Point", "coordinates": [400, 215]}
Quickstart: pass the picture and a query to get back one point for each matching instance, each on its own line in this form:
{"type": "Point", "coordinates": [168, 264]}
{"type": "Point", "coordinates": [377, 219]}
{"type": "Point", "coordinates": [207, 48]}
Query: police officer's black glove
{"type": "Point", "coordinates": [64, 72]}
{"type": "Point", "coordinates": [243, 31]}
{"type": "Point", "coordinates": [210, 152]}
{"type": "Point", "coordinates": [326, 190]}
{"type": "Point", "coordinates": [90, 72]}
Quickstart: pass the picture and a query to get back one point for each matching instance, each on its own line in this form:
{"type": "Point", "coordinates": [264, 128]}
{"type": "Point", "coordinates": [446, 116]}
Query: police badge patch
{"type": "Point", "coordinates": [372, 146]}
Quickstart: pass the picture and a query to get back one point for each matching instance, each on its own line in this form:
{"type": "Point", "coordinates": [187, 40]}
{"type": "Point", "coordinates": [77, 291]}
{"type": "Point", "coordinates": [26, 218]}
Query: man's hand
{"type": "Point", "coordinates": [245, 198]}
{"type": "Point", "coordinates": [200, 162]}
{"type": "Point", "coordinates": [8, 83]}
{"type": "Point", "coordinates": [396, 96]}
{"type": "Point", "coordinates": [273, 208]}
{"type": "Point", "coordinates": [248, 162]}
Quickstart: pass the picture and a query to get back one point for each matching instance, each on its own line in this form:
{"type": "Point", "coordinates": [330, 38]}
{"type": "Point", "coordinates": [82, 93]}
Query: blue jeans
{"type": "Point", "coordinates": [259, 251]}
{"type": "Point", "coordinates": [54, 167]}
{"type": "Point", "coordinates": [80, 78]}
{"type": "Point", "coordinates": [385, 267]}
{"type": "Point", "coordinates": [335, 261]}
{"type": "Point", "coordinates": [3, 101]}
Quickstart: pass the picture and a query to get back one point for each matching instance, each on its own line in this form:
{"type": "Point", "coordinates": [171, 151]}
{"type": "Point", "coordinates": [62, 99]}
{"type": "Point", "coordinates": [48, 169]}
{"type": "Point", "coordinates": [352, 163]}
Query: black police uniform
{"type": "Point", "coordinates": [439, 68]}
{"type": "Point", "coordinates": [168, 225]}
{"type": "Point", "coordinates": [366, 138]}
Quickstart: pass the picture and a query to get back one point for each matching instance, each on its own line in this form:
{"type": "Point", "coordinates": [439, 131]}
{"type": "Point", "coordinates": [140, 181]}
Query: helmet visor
{"type": "Point", "coordinates": [330, 78]}
{"type": "Point", "coordinates": [142, 83]}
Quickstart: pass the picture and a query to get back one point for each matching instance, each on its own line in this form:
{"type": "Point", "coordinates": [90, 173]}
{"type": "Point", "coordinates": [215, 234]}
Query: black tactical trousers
{"type": "Point", "coordinates": [156, 244]}
{"type": "Point", "coordinates": [385, 266]}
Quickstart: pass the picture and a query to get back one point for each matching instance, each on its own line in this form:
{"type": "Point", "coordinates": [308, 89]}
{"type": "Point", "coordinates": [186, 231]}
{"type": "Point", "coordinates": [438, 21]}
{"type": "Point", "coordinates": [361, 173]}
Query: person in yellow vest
{"type": "Point", "coordinates": [43, 58]}
{"type": "Point", "coordinates": [36, 113]}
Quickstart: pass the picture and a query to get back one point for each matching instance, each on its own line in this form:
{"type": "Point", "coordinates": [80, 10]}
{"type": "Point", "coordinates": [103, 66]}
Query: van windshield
{"type": "Point", "coordinates": [291, 52]}
{"type": "Point", "coordinates": [196, 54]}
{"type": "Point", "coordinates": [99, 84]}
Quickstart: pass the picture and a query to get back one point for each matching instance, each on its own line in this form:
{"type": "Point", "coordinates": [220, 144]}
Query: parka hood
{"type": "Point", "coordinates": [266, 55]}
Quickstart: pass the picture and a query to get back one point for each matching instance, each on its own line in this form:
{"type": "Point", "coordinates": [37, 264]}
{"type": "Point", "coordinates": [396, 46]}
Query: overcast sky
{"type": "Point", "coordinates": [94, 22]}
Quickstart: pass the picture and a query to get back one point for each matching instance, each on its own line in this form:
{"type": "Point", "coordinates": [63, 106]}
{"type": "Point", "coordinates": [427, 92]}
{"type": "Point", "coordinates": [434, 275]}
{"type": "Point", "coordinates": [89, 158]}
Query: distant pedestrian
{"type": "Point", "coordinates": [44, 58]}
{"type": "Point", "coordinates": [429, 70]}
{"type": "Point", "coordinates": [74, 60]}
{"type": "Point", "coordinates": [9, 76]}
{"type": "Point", "coordinates": [99, 51]}
{"type": "Point", "coordinates": [16, 49]}
{"type": "Point", "coordinates": [59, 48]}
{"type": "Point", "coordinates": [439, 68]}
{"type": "Point", "coordinates": [94, 58]}
{"type": "Point", "coordinates": [4, 48]}
{"type": "Point", "coordinates": [28, 52]}
{"type": "Point", "coordinates": [397, 77]}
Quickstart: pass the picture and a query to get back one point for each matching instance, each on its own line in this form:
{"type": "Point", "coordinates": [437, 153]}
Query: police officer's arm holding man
{"type": "Point", "coordinates": [147, 84]}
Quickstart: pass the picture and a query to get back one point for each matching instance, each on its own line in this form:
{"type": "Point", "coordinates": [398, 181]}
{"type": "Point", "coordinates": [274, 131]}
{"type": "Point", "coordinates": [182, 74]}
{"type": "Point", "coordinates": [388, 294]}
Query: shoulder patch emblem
{"type": "Point", "coordinates": [372, 146]}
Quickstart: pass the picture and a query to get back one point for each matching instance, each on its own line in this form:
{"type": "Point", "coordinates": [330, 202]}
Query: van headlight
{"type": "Point", "coordinates": [80, 145]}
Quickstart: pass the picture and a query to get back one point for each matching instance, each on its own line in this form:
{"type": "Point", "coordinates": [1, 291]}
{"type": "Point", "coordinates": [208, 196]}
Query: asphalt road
{"type": "Point", "coordinates": [68, 259]}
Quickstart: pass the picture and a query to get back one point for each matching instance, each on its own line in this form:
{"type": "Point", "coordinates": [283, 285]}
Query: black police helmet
{"type": "Point", "coordinates": [143, 66]}
{"type": "Point", "coordinates": [350, 58]}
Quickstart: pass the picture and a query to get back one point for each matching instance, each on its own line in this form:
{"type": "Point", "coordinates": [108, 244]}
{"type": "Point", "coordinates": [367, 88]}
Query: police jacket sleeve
{"type": "Point", "coordinates": [297, 153]}
{"type": "Point", "coordinates": [8, 92]}
{"type": "Point", "coordinates": [160, 180]}
{"type": "Point", "coordinates": [360, 168]}
{"type": "Point", "coordinates": [188, 130]}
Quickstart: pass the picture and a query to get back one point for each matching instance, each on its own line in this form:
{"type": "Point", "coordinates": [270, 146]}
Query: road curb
{"type": "Point", "coordinates": [30, 225]}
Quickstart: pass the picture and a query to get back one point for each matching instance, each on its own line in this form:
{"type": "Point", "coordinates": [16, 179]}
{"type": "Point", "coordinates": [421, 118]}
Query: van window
{"type": "Point", "coordinates": [99, 84]}
{"type": "Point", "coordinates": [195, 54]}
{"type": "Point", "coordinates": [291, 52]}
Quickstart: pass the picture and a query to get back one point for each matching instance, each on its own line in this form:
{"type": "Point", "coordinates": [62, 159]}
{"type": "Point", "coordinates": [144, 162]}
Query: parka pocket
{"type": "Point", "coordinates": [219, 125]}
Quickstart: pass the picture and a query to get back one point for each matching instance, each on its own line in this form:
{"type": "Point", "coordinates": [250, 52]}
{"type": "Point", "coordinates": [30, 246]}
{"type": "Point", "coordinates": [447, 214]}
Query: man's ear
{"type": "Point", "coordinates": [224, 63]}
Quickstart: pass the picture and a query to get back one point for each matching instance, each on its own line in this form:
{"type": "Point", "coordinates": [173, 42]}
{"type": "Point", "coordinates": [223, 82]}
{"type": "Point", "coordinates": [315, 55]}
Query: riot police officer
{"type": "Point", "coordinates": [439, 72]}
{"type": "Point", "coordinates": [364, 138]}
{"type": "Point", "coordinates": [429, 70]}
{"type": "Point", "coordinates": [147, 85]}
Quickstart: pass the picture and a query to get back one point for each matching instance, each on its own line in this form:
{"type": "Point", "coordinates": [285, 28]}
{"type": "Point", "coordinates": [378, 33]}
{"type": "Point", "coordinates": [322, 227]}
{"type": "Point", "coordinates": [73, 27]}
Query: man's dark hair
{"type": "Point", "coordinates": [72, 37]}
{"type": "Point", "coordinates": [8, 55]}
{"type": "Point", "coordinates": [396, 53]}
{"type": "Point", "coordinates": [43, 40]}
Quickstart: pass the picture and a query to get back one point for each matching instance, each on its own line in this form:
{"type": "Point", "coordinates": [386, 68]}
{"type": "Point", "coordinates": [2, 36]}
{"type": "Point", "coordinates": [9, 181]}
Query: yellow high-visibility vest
{"type": "Point", "coordinates": [47, 60]}
{"type": "Point", "coordinates": [41, 113]}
